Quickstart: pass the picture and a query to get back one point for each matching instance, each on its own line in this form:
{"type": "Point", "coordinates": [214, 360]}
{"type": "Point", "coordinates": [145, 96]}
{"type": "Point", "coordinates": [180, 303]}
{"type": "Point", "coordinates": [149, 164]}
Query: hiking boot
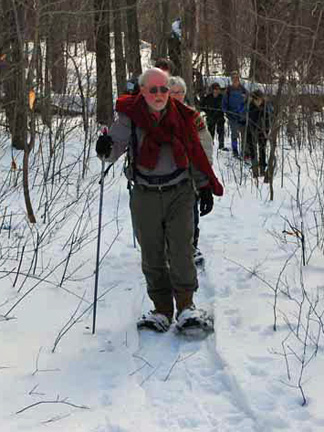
{"type": "Point", "coordinates": [154, 320]}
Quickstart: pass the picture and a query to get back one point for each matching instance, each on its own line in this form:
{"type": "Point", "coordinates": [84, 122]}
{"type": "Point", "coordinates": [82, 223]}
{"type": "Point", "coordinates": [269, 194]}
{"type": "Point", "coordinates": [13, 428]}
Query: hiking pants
{"type": "Point", "coordinates": [221, 132]}
{"type": "Point", "coordinates": [219, 125]}
{"type": "Point", "coordinates": [235, 128]}
{"type": "Point", "coordinates": [163, 225]}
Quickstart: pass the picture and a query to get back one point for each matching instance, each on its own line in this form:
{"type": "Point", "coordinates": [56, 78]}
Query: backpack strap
{"type": "Point", "coordinates": [133, 156]}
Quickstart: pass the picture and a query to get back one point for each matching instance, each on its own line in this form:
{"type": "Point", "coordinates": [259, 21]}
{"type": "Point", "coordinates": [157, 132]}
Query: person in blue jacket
{"type": "Point", "coordinates": [233, 106]}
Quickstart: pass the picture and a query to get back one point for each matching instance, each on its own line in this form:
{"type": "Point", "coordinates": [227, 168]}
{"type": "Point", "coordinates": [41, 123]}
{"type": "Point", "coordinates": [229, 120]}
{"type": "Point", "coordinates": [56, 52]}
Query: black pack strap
{"type": "Point", "coordinates": [159, 180]}
{"type": "Point", "coordinates": [106, 171]}
{"type": "Point", "coordinates": [134, 144]}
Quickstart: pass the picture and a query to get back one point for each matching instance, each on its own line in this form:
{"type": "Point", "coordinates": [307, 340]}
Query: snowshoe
{"type": "Point", "coordinates": [194, 318]}
{"type": "Point", "coordinates": [154, 321]}
{"type": "Point", "coordinates": [199, 258]}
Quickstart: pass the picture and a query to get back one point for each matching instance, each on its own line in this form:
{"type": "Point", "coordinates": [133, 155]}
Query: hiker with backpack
{"type": "Point", "coordinates": [212, 106]}
{"type": "Point", "coordinates": [166, 163]}
{"type": "Point", "coordinates": [233, 105]}
{"type": "Point", "coordinates": [178, 90]}
{"type": "Point", "coordinates": [260, 115]}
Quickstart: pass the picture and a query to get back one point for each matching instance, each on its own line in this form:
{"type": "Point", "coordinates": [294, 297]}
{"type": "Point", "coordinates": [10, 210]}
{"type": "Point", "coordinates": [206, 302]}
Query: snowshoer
{"type": "Point", "coordinates": [212, 106]}
{"type": "Point", "coordinates": [233, 105]}
{"type": "Point", "coordinates": [178, 90]}
{"type": "Point", "coordinates": [259, 123]}
{"type": "Point", "coordinates": [167, 162]}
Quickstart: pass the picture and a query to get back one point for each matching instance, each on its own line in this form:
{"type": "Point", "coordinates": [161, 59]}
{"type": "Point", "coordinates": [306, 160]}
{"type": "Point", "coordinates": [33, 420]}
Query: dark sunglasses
{"type": "Point", "coordinates": [161, 89]}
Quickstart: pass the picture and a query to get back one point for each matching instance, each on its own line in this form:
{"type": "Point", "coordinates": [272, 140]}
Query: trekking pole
{"type": "Point", "coordinates": [102, 181]}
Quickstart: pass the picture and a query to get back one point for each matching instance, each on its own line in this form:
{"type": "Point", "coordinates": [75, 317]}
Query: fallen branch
{"type": "Point", "coordinates": [57, 401]}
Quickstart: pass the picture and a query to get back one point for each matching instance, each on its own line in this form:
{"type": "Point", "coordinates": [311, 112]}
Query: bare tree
{"type": "Point", "coordinates": [261, 68]}
{"type": "Point", "coordinates": [133, 58]}
{"type": "Point", "coordinates": [119, 47]}
{"type": "Point", "coordinates": [103, 61]}
{"type": "Point", "coordinates": [188, 34]}
{"type": "Point", "coordinates": [162, 29]}
{"type": "Point", "coordinates": [228, 35]}
{"type": "Point", "coordinates": [286, 66]}
{"type": "Point", "coordinates": [15, 85]}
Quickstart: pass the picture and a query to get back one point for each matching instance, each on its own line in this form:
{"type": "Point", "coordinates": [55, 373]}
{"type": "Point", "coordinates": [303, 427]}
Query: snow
{"type": "Point", "coordinates": [120, 381]}
{"type": "Point", "coordinates": [55, 375]}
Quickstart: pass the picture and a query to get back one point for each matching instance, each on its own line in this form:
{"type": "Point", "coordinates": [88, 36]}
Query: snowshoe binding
{"type": "Point", "coordinates": [193, 318]}
{"type": "Point", "coordinates": [199, 258]}
{"type": "Point", "coordinates": [154, 321]}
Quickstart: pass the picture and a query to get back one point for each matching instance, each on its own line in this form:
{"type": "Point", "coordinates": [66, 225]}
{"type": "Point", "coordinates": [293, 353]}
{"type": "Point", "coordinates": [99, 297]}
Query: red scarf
{"type": "Point", "coordinates": [177, 127]}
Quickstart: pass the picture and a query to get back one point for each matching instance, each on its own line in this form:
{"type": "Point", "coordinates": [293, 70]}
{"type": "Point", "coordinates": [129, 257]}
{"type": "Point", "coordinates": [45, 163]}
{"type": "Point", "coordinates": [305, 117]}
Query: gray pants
{"type": "Point", "coordinates": [163, 225]}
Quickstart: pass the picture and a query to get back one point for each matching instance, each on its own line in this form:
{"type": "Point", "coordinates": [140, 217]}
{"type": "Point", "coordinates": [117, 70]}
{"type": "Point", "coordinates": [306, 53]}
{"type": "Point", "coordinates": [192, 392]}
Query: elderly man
{"type": "Point", "coordinates": [166, 164]}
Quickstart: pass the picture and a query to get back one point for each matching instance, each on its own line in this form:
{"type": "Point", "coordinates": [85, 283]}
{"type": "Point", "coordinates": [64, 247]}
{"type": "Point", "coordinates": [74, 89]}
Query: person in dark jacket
{"type": "Point", "coordinates": [167, 164]}
{"type": "Point", "coordinates": [233, 105]}
{"type": "Point", "coordinates": [259, 124]}
{"type": "Point", "coordinates": [212, 106]}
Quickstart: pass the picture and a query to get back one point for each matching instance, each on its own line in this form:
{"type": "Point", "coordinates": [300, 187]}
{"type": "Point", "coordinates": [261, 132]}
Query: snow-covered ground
{"type": "Point", "coordinates": [56, 376]}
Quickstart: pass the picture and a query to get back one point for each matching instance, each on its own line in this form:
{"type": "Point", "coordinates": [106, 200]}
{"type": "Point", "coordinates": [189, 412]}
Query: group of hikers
{"type": "Point", "coordinates": [249, 117]}
{"type": "Point", "coordinates": [169, 149]}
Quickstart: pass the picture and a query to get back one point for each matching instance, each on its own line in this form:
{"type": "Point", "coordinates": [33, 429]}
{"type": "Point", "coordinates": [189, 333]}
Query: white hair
{"type": "Point", "coordinates": [144, 76]}
{"type": "Point", "coordinates": [178, 81]}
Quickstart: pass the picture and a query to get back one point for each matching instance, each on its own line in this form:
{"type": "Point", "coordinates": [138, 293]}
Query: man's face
{"type": "Point", "coordinates": [156, 91]}
{"type": "Point", "coordinates": [177, 92]}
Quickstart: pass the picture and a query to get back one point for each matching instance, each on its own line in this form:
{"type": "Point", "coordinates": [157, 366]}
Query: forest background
{"type": "Point", "coordinates": [62, 65]}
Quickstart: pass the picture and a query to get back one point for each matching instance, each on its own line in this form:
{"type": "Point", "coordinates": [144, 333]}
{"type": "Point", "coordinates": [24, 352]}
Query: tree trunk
{"type": "Point", "coordinates": [56, 52]}
{"type": "Point", "coordinates": [133, 57]}
{"type": "Point", "coordinates": [163, 29]}
{"type": "Point", "coordinates": [15, 83]}
{"type": "Point", "coordinates": [228, 35]}
{"type": "Point", "coordinates": [260, 69]}
{"type": "Point", "coordinates": [119, 48]}
{"type": "Point", "coordinates": [315, 67]}
{"type": "Point", "coordinates": [288, 61]}
{"type": "Point", "coordinates": [103, 62]}
{"type": "Point", "coordinates": [188, 19]}
{"type": "Point", "coordinates": [206, 38]}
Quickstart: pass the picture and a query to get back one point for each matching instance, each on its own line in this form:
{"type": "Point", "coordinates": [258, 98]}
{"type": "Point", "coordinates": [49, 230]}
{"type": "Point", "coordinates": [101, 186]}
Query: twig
{"type": "Point", "coordinates": [52, 402]}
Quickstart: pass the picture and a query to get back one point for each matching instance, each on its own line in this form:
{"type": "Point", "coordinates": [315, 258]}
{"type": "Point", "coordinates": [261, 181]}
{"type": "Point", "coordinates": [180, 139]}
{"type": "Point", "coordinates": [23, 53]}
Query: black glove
{"type": "Point", "coordinates": [206, 201]}
{"type": "Point", "coordinates": [104, 146]}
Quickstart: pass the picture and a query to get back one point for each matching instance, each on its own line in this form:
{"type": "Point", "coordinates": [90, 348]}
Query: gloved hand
{"type": "Point", "coordinates": [206, 201]}
{"type": "Point", "coordinates": [104, 146]}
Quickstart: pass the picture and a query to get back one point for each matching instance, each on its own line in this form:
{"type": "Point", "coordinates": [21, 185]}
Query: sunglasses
{"type": "Point", "coordinates": [161, 89]}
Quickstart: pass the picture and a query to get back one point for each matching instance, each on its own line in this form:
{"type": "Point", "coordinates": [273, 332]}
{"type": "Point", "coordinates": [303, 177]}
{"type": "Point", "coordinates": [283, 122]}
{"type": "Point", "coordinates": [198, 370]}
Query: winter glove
{"type": "Point", "coordinates": [206, 201]}
{"type": "Point", "coordinates": [104, 146]}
